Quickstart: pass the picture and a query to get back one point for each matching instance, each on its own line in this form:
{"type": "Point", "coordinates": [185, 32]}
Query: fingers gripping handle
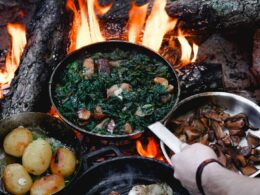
{"type": "Point", "coordinates": [170, 140]}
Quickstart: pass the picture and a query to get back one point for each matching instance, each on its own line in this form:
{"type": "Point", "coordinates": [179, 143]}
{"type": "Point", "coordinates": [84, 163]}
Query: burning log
{"type": "Point", "coordinates": [48, 35]}
{"type": "Point", "coordinates": [199, 78]}
{"type": "Point", "coordinates": [215, 15]}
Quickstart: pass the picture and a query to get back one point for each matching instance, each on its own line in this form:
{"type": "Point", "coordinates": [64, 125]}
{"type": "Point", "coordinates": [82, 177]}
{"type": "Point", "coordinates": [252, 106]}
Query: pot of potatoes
{"type": "Point", "coordinates": [39, 155]}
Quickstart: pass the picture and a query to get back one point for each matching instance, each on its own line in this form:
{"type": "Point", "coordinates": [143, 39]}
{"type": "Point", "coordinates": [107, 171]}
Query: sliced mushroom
{"type": "Point", "coordinates": [253, 140]}
{"type": "Point", "coordinates": [111, 126]}
{"type": "Point", "coordinates": [103, 66]}
{"type": "Point", "coordinates": [204, 139]}
{"type": "Point", "coordinates": [237, 132]}
{"type": "Point", "coordinates": [103, 124]}
{"type": "Point", "coordinates": [239, 121]}
{"type": "Point", "coordinates": [128, 128]}
{"type": "Point", "coordinates": [192, 134]}
{"type": "Point", "coordinates": [161, 81]}
{"type": "Point", "coordinates": [98, 113]}
{"type": "Point", "coordinates": [170, 88]}
{"type": "Point", "coordinates": [255, 151]}
{"type": "Point", "coordinates": [235, 140]}
{"type": "Point", "coordinates": [240, 159]}
{"type": "Point", "coordinates": [116, 90]}
{"type": "Point", "coordinates": [255, 159]}
{"type": "Point", "coordinates": [84, 114]}
{"type": "Point", "coordinates": [89, 68]}
{"type": "Point", "coordinates": [221, 156]}
{"type": "Point", "coordinates": [115, 63]}
{"type": "Point", "coordinates": [248, 170]}
{"type": "Point", "coordinates": [218, 130]}
{"type": "Point", "coordinates": [213, 116]}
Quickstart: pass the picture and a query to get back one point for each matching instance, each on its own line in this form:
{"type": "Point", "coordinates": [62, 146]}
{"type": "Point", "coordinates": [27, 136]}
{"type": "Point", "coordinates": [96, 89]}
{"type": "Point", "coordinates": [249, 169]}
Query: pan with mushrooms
{"type": "Point", "coordinates": [113, 89]}
{"type": "Point", "coordinates": [228, 123]}
{"type": "Point", "coordinates": [39, 155]}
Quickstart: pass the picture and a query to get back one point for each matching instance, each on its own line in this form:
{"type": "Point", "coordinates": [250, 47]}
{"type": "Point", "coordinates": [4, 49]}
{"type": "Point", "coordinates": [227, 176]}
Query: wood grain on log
{"type": "Point", "coordinates": [47, 37]}
{"type": "Point", "coordinates": [216, 14]}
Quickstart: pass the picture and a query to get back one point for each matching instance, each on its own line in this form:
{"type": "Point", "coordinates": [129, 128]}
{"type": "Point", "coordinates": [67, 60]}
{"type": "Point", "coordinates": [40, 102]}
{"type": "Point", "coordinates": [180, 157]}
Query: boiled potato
{"type": "Point", "coordinates": [17, 140]}
{"type": "Point", "coordinates": [37, 156]}
{"type": "Point", "coordinates": [16, 179]}
{"type": "Point", "coordinates": [63, 162]}
{"type": "Point", "coordinates": [47, 185]}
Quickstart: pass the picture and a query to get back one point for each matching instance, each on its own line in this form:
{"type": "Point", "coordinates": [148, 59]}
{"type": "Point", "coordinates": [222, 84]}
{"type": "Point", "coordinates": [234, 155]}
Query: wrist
{"type": "Point", "coordinates": [207, 177]}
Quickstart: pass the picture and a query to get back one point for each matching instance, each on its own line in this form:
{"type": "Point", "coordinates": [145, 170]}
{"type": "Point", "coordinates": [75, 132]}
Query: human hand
{"type": "Point", "coordinates": [187, 161]}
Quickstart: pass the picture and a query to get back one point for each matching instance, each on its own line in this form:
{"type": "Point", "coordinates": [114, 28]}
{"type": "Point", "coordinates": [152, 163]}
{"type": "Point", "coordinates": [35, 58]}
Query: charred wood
{"type": "Point", "coordinates": [211, 15]}
{"type": "Point", "coordinates": [197, 78]}
{"type": "Point", "coordinates": [47, 38]}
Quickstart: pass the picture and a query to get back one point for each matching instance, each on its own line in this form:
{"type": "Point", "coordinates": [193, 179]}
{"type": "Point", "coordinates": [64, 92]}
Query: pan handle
{"type": "Point", "coordinates": [90, 157]}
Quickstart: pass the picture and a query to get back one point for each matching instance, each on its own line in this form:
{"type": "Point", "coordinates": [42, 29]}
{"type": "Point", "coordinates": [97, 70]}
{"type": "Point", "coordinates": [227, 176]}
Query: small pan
{"type": "Point", "coordinates": [44, 124]}
{"type": "Point", "coordinates": [105, 47]}
{"type": "Point", "coordinates": [120, 174]}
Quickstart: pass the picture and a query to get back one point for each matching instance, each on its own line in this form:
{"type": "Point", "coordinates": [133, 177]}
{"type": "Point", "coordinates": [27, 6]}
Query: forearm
{"type": "Point", "coordinates": [218, 180]}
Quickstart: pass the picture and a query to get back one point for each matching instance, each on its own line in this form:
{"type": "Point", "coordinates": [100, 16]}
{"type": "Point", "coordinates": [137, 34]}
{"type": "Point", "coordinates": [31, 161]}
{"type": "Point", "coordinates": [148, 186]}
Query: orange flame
{"type": "Point", "coordinates": [152, 148]}
{"type": "Point", "coordinates": [85, 28]}
{"type": "Point", "coordinates": [186, 50]}
{"type": "Point", "coordinates": [137, 16]}
{"type": "Point", "coordinates": [18, 38]}
{"type": "Point", "coordinates": [157, 25]}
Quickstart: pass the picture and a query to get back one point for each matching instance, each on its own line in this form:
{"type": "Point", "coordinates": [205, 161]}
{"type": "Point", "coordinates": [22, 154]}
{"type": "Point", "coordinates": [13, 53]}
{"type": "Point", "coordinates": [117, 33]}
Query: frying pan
{"type": "Point", "coordinates": [106, 47]}
{"type": "Point", "coordinates": [49, 126]}
{"type": "Point", "coordinates": [120, 174]}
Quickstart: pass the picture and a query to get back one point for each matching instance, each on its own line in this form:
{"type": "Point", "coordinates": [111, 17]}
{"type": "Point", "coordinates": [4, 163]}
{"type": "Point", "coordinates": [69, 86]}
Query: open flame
{"type": "Point", "coordinates": [85, 28]}
{"type": "Point", "coordinates": [157, 25]}
{"type": "Point", "coordinates": [187, 50]}
{"type": "Point", "coordinates": [18, 38]}
{"type": "Point", "coordinates": [151, 150]}
{"type": "Point", "coordinates": [137, 15]}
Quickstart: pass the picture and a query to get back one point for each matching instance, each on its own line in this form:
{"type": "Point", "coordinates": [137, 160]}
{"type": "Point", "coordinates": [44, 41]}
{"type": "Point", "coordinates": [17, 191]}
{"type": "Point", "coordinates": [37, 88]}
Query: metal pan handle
{"type": "Point", "coordinates": [90, 157]}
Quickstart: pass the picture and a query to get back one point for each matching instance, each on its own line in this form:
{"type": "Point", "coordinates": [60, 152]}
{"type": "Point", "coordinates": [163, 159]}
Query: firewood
{"type": "Point", "coordinates": [211, 15]}
{"type": "Point", "coordinates": [48, 34]}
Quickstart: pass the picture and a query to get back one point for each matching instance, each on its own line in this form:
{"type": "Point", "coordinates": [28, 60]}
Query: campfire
{"type": "Point", "coordinates": [182, 32]}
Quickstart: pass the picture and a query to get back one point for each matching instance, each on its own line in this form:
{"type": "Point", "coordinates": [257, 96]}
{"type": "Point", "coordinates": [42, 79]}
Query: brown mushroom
{"type": "Point", "coordinates": [191, 134]}
{"type": "Point", "coordinates": [235, 140]}
{"type": "Point", "coordinates": [245, 151]}
{"type": "Point", "coordinates": [218, 130]}
{"type": "Point", "coordinates": [204, 139]}
{"type": "Point", "coordinates": [255, 159]}
{"type": "Point", "coordinates": [84, 114]}
{"type": "Point", "coordinates": [255, 151]}
{"type": "Point", "coordinates": [248, 170]}
{"type": "Point", "coordinates": [170, 88]}
{"type": "Point", "coordinates": [237, 132]}
{"type": "Point", "coordinates": [161, 81]}
{"type": "Point", "coordinates": [240, 159]}
{"type": "Point", "coordinates": [221, 156]}
{"type": "Point", "coordinates": [128, 128]}
{"type": "Point", "coordinates": [98, 113]}
{"type": "Point", "coordinates": [253, 140]}
{"type": "Point", "coordinates": [103, 66]}
{"type": "Point", "coordinates": [89, 68]}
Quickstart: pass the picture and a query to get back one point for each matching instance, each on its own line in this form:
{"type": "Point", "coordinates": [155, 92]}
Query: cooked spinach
{"type": "Point", "coordinates": [139, 106]}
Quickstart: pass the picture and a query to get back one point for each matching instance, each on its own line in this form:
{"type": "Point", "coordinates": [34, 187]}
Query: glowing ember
{"type": "Point", "coordinates": [150, 151]}
{"type": "Point", "coordinates": [85, 29]}
{"type": "Point", "coordinates": [137, 16]}
{"type": "Point", "coordinates": [18, 37]}
{"type": "Point", "coordinates": [186, 50]}
{"type": "Point", "coordinates": [157, 25]}
{"type": "Point", "coordinates": [54, 113]}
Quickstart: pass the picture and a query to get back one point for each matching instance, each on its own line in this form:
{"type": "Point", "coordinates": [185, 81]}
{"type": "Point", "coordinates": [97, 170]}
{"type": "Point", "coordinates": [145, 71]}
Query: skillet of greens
{"type": "Point", "coordinates": [116, 92]}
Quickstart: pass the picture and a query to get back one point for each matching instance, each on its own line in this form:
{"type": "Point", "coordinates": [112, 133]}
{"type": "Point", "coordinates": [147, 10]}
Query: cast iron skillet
{"type": "Point", "coordinates": [120, 174]}
{"type": "Point", "coordinates": [108, 46]}
{"type": "Point", "coordinates": [48, 125]}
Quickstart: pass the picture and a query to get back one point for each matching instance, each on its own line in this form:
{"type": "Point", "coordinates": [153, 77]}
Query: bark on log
{"type": "Point", "coordinates": [198, 78]}
{"type": "Point", "coordinates": [47, 38]}
{"type": "Point", "coordinates": [235, 59]}
{"type": "Point", "coordinates": [216, 14]}
{"type": "Point", "coordinates": [255, 69]}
